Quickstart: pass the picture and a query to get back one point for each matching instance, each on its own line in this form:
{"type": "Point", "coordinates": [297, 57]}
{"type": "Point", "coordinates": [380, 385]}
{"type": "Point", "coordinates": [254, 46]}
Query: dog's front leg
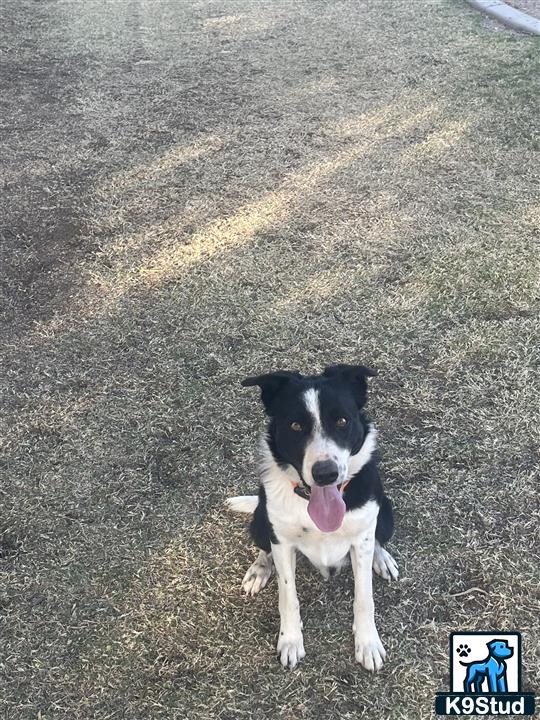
{"type": "Point", "coordinates": [290, 645]}
{"type": "Point", "coordinates": [369, 650]}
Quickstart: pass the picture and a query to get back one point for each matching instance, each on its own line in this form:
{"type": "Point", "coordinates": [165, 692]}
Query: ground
{"type": "Point", "coordinates": [198, 191]}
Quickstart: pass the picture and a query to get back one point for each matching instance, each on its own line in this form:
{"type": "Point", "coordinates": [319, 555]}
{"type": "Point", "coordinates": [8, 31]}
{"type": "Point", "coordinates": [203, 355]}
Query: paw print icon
{"type": "Point", "coordinates": [463, 650]}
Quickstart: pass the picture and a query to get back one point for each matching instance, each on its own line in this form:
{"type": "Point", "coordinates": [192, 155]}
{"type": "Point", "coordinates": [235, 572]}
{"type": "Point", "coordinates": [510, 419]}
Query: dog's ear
{"type": "Point", "coordinates": [356, 376]}
{"type": "Point", "coordinates": [270, 384]}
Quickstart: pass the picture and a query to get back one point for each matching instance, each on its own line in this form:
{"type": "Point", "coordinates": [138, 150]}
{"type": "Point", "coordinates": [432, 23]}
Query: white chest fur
{"type": "Point", "coordinates": [324, 550]}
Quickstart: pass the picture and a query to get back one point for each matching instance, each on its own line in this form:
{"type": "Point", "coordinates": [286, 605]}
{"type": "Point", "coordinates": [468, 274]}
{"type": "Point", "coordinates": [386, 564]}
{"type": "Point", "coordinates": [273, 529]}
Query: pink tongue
{"type": "Point", "coordinates": [326, 507]}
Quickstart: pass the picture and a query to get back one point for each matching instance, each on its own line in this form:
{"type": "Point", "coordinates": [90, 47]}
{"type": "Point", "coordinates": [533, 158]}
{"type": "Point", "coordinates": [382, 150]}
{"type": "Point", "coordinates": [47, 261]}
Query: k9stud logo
{"type": "Point", "coordinates": [485, 676]}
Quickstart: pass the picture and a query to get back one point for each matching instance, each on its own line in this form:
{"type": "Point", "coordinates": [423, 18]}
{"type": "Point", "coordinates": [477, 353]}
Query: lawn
{"type": "Point", "coordinates": [198, 191]}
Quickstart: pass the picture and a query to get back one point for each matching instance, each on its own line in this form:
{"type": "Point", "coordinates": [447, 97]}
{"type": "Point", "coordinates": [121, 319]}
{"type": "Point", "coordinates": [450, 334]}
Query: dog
{"type": "Point", "coordinates": [493, 668]}
{"type": "Point", "coordinates": [320, 494]}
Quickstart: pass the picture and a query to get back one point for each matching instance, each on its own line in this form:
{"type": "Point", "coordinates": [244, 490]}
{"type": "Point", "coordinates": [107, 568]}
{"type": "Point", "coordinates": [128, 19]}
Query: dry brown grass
{"type": "Point", "coordinates": [198, 191]}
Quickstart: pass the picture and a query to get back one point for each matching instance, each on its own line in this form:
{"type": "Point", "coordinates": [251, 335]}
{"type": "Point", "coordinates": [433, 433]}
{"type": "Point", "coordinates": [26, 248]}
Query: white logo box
{"type": "Point", "coordinates": [477, 642]}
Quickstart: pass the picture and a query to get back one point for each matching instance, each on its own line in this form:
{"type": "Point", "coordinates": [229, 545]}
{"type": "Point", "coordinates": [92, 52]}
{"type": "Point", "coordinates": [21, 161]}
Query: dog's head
{"type": "Point", "coordinates": [316, 422]}
{"type": "Point", "coordinates": [500, 649]}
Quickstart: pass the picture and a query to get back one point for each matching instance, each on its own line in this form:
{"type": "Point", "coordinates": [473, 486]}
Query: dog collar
{"type": "Point", "coordinates": [305, 492]}
{"type": "Point", "coordinates": [301, 491]}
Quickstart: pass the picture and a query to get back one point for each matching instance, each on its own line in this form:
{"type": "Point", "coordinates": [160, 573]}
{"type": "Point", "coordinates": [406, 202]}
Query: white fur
{"type": "Point", "coordinates": [242, 503]}
{"type": "Point", "coordinates": [368, 649]}
{"type": "Point", "coordinates": [290, 646]}
{"type": "Point", "coordinates": [258, 574]}
{"type": "Point", "coordinates": [384, 564]}
{"type": "Point", "coordinates": [311, 401]}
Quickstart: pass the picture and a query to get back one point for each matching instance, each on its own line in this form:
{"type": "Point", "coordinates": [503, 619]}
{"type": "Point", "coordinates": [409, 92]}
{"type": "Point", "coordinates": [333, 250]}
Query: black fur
{"type": "Point", "coordinates": [270, 384]}
{"type": "Point", "coordinates": [355, 376]}
{"type": "Point", "coordinates": [260, 528]}
{"type": "Point", "coordinates": [385, 521]}
{"type": "Point", "coordinates": [366, 485]}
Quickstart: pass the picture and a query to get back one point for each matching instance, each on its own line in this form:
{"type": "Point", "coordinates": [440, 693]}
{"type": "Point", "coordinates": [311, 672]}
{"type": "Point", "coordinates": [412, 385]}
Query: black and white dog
{"type": "Point", "coordinates": [321, 494]}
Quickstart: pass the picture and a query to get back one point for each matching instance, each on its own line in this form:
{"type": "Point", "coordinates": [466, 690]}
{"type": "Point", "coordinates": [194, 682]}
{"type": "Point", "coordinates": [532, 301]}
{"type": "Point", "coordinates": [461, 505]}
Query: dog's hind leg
{"type": "Point", "coordinates": [470, 678]}
{"type": "Point", "coordinates": [258, 574]}
{"type": "Point", "coordinates": [384, 564]}
{"type": "Point", "coordinates": [385, 521]}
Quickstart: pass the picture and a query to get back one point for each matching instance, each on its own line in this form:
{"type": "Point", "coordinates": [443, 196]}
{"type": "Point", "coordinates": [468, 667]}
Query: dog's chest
{"type": "Point", "coordinates": [292, 524]}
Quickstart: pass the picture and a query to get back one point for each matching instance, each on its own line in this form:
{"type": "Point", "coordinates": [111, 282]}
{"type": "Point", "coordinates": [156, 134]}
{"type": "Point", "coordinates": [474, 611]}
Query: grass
{"type": "Point", "coordinates": [195, 192]}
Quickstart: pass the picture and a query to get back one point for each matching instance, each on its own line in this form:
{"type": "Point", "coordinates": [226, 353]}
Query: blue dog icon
{"type": "Point", "coordinates": [493, 668]}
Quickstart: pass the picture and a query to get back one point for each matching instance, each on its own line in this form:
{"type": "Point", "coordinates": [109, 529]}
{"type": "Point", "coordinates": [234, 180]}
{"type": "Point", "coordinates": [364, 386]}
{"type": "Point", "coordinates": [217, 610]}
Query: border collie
{"type": "Point", "coordinates": [321, 494]}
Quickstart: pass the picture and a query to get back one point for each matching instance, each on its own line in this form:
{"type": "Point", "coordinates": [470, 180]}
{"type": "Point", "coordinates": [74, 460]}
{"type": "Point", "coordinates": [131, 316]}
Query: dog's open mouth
{"type": "Point", "coordinates": [326, 506]}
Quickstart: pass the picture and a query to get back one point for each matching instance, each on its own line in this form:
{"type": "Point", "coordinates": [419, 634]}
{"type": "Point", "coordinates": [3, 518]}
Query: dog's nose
{"type": "Point", "coordinates": [325, 472]}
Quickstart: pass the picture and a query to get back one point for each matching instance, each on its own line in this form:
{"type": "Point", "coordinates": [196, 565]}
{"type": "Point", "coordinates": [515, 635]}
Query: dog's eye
{"type": "Point", "coordinates": [342, 422]}
{"type": "Point", "coordinates": [296, 426]}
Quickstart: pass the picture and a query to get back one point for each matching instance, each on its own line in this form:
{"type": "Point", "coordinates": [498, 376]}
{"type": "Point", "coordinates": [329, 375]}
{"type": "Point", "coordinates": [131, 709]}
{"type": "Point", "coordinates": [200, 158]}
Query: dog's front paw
{"type": "Point", "coordinates": [369, 650]}
{"type": "Point", "coordinates": [290, 649]}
